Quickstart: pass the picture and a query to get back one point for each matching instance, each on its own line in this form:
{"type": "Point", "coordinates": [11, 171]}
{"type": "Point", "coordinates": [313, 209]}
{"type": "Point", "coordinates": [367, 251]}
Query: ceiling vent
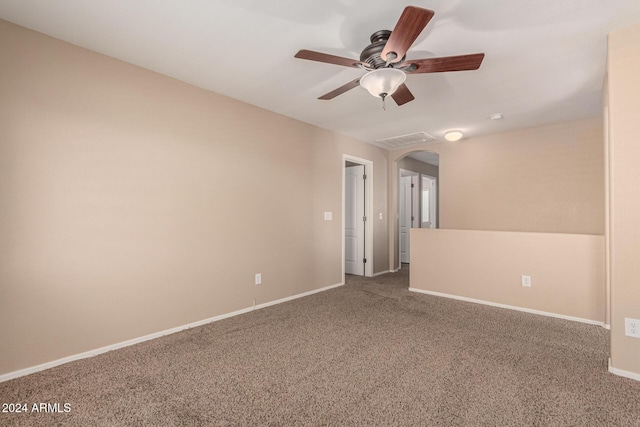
{"type": "Point", "coordinates": [405, 140]}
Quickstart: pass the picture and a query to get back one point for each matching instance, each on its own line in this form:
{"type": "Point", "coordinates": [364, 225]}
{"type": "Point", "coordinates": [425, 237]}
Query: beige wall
{"type": "Point", "coordinates": [567, 270]}
{"type": "Point", "coordinates": [132, 203]}
{"type": "Point", "coordinates": [539, 179]}
{"type": "Point", "coordinates": [624, 193]}
{"type": "Point", "coordinates": [544, 179]}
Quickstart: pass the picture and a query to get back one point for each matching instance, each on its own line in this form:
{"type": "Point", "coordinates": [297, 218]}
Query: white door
{"type": "Point", "coordinates": [354, 220]}
{"type": "Point", "coordinates": [405, 217]}
{"type": "Point", "coordinates": [429, 200]}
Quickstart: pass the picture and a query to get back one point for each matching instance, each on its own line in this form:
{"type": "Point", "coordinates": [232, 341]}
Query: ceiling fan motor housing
{"type": "Point", "coordinates": [371, 53]}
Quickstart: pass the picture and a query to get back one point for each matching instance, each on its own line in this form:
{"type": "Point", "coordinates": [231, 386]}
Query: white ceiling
{"type": "Point", "coordinates": [544, 61]}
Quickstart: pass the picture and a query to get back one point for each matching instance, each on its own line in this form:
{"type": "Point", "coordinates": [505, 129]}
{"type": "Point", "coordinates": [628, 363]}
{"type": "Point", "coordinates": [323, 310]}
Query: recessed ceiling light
{"type": "Point", "coordinates": [453, 135]}
{"type": "Point", "coordinates": [496, 116]}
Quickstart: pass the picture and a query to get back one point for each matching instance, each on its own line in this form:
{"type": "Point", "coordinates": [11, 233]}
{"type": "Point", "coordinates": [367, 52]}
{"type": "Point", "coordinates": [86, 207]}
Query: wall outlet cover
{"type": "Point", "coordinates": [632, 327]}
{"type": "Point", "coordinates": [526, 281]}
{"type": "Point", "coordinates": [259, 279]}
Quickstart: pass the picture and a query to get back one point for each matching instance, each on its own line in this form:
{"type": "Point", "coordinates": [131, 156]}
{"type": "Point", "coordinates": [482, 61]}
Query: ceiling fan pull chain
{"type": "Point", "coordinates": [383, 96]}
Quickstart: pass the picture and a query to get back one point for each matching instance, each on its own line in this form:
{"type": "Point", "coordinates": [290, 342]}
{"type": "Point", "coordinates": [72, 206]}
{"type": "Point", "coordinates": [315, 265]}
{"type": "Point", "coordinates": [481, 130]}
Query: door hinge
{"type": "Point", "coordinates": [364, 176]}
{"type": "Point", "coordinates": [411, 185]}
{"type": "Point", "coordinates": [364, 260]}
{"type": "Point", "coordinates": [412, 218]}
{"type": "Point", "coordinates": [364, 218]}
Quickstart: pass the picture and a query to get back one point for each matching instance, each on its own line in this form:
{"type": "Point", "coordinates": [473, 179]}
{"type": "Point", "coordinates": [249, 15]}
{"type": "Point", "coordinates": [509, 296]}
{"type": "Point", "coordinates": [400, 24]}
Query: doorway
{"type": "Point", "coordinates": [357, 241]}
{"type": "Point", "coordinates": [409, 210]}
{"type": "Point", "coordinates": [417, 197]}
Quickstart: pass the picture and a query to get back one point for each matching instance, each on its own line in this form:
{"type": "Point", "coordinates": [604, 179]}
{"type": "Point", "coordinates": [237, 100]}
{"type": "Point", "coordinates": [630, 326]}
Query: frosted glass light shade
{"type": "Point", "coordinates": [383, 81]}
{"type": "Point", "coordinates": [453, 135]}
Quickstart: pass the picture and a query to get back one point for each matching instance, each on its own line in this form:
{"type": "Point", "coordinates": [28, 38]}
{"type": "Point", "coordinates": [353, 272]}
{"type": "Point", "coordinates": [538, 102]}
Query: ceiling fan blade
{"type": "Point", "coordinates": [447, 63]}
{"type": "Point", "coordinates": [402, 95]}
{"type": "Point", "coordinates": [342, 89]}
{"type": "Point", "coordinates": [326, 58]}
{"type": "Point", "coordinates": [409, 26]}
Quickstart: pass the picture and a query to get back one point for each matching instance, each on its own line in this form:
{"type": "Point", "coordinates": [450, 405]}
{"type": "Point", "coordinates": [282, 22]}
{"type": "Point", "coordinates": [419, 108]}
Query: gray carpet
{"type": "Point", "coordinates": [368, 353]}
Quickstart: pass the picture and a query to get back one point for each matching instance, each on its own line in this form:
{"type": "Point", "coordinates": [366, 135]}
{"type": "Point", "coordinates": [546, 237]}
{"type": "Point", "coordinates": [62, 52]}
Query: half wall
{"type": "Point", "coordinates": [567, 270]}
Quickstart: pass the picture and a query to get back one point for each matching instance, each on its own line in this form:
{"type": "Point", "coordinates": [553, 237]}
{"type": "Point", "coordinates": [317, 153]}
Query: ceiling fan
{"type": "Point", "coordinates": [385, 59]}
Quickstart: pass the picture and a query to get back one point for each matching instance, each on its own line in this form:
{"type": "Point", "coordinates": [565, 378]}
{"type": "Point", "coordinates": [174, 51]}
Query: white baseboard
{"type": "Point", "coordinates": [622, 373]}
{"type": "Point", "coordinates": [510, 307]}
{"type": "Point", "coordinates": [91, 353]}
{"type": "Point", "coordinates": [382, 272]}
{"type": "Point", "coordinates": [304, 294]}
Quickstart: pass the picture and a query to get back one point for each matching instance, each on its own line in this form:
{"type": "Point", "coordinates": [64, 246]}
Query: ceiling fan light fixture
{"type": "Point", "coordinates": [453, 135]}
{"type": "Point", "coordinates": [383, 81]}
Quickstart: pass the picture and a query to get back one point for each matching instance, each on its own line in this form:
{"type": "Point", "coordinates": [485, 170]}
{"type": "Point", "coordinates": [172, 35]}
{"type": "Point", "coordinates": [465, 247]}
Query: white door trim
{"type": "Point", "coordinates": [415, 194]}
{"type": "Point", "coordinates": [405, 213]}
{"type": "Point", "coordinates": [354, 224]}
{"type": "Point", "coordinates": [368, 208]}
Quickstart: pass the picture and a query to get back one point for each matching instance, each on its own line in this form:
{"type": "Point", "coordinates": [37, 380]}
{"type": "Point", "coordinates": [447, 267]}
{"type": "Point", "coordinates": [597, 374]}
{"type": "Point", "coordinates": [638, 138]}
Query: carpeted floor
{"type": "Point", "coordinates": [368, 353]}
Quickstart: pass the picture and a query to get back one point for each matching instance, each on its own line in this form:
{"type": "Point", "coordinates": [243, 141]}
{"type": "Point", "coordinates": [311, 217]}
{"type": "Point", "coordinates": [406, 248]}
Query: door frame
{"type": "Point", "coordinates": [393, 186]}
{"type": "Point", "coordinates": [368, 209]}
{"type": "Point", "coordinates": [415, 210]}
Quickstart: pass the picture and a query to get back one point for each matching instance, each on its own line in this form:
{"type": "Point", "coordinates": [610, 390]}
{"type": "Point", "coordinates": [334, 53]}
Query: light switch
{"type": "Point", "coordinates": [328, 216]}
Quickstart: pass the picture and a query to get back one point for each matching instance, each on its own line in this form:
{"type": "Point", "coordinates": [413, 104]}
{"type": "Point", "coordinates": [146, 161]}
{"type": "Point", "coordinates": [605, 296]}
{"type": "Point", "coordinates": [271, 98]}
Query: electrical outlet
{"type": "Point", "coordinates": [526, 281]}
{"type": "Point", "coordinates": [259, 279]}
{"type": "Point", "coordinates": [632, 327]}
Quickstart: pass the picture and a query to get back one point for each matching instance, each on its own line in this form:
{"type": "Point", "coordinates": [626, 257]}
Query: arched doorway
{"type": "Point", "coordinates": [414, 199]}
